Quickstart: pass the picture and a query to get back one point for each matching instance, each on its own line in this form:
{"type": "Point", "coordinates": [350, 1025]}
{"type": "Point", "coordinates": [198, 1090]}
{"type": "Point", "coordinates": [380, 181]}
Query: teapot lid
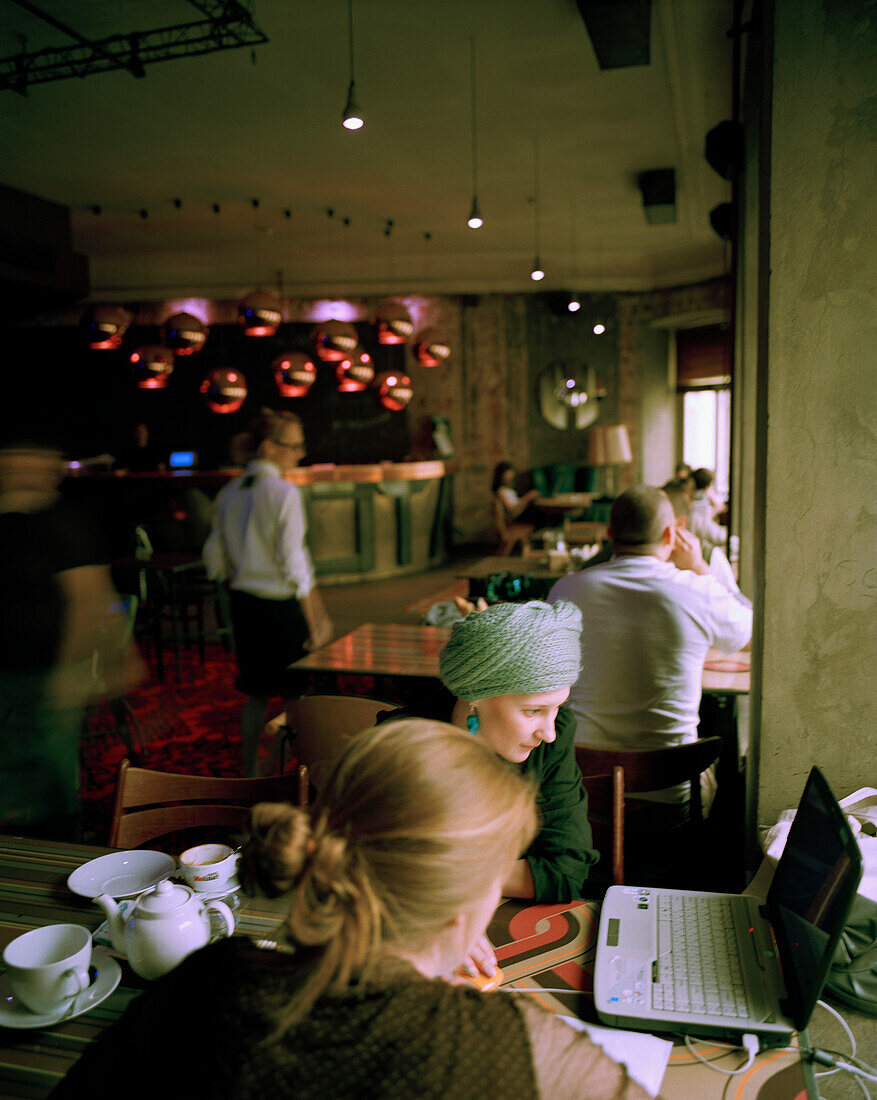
{"type": "Point", "coordinates": [162, 899]}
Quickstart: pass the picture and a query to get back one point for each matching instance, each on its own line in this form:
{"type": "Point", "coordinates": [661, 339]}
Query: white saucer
{"type": "Point", "coordinates": [14, 1014]}
{"type": "Point", "coordinates": [121, 874]}
{"type": "Point", "coordinates": [231, 887]}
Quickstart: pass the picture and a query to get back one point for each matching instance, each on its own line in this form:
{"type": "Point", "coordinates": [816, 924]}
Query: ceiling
{"type": "Point", "coordinates": [264, 124]}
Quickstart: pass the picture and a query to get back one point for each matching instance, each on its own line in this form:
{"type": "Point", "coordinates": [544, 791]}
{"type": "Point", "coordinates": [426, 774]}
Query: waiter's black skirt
{"type": "Point", "coordinates": [269, 635]}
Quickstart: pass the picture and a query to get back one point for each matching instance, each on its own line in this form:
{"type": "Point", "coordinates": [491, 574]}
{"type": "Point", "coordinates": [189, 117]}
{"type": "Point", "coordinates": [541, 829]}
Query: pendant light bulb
{"type": "Point", "coordinates": [574, 305]}
{"type": "Point", "coordinates": [537, 273]}
{"type": "Point", "coordinates": [599, 328]}
{"type": "Point", "coordinates": [352, 118]}
{"type": "Point", "coordinates": [475, 219]}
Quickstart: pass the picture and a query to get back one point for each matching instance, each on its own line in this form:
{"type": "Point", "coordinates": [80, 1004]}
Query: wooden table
{"type": "Point", "coordinates": [33, 892]}
{"type": "Point", "coordinates": [538, 947]}
{"type": "Point", "coordinates": [513, 563]}
{"type": "Point", "coordinates": [564, 502]}
{"type": "Point", "coordinates": [395, 661]}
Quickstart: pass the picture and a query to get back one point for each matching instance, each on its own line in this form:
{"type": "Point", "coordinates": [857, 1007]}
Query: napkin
{"type": "Point", "coordinates": [861, 810]}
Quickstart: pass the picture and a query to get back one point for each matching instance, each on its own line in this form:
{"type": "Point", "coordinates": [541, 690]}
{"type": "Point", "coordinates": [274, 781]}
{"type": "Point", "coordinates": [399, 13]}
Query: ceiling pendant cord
{"type": "Point", "coordinates": [537, 273]}
{"type": "Point", "coordinates": [352, 118]}
{"type": "Point", "coordinates": [475, 220]}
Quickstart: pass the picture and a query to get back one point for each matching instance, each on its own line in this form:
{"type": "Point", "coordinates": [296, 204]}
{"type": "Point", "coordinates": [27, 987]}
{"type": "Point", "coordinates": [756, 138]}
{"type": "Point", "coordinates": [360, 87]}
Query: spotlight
{"type": "Point", "coordinates": [574, 305]}
{"type": "Point", "coordinates": [599, 328]}
{"type": "Point", "coordinates": [352, 118]}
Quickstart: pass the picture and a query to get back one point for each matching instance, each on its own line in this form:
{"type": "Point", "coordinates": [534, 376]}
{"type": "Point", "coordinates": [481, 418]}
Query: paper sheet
{"type": "Point", "coordinates": [645, 1056]}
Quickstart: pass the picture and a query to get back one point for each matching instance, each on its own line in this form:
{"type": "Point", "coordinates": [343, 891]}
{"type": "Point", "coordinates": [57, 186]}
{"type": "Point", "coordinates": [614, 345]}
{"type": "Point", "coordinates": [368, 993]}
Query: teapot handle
{"type": "Point", "coordinates": [226, 914]}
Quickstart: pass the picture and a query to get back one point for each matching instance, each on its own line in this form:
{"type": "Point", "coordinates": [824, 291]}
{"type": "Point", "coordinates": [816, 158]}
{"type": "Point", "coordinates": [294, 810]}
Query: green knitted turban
{"type": "Point", "coordinates": [513, 649]}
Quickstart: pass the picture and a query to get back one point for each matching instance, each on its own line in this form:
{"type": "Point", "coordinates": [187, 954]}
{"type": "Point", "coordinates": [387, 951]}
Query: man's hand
{"type": "Point", "coordinates": [686, 552]}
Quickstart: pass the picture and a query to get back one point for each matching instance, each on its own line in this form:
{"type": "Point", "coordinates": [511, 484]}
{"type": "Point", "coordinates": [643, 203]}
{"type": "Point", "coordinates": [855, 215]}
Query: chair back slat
{"type": "Point", "coordinates": [610, 774]}
{"type": "Point", "coordinates": [150, 803]}
{"type": "Point", "coordinates": [651, 769]}
{"type": "Point", "coordinates": [146, 825]}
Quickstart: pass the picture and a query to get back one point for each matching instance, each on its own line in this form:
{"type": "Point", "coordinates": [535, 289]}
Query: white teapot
{"type": "Point", "coordinates": [167, 923]}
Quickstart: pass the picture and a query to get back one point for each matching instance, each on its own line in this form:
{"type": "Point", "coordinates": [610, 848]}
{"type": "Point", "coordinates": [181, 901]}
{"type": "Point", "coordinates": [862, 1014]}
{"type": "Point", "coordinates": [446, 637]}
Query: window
{"type": "Point", "coordinates": [703, 381]}
{"type": "Point", "coordinates": [706, 432]}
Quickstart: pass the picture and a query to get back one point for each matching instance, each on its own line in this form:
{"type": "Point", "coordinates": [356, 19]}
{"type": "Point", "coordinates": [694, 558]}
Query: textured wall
{"type": "Point", "coordinates": [820, 625]}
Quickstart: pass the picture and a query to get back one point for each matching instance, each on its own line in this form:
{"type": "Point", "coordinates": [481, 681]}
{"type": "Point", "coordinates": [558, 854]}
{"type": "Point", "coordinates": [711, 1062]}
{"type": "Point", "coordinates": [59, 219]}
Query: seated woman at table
{"type": "Point", "coordinates": [505, 674]}
{"type": "Point", "coordinates": [390, 877]}
{"type": "Point", "coordinates": [517, 509]}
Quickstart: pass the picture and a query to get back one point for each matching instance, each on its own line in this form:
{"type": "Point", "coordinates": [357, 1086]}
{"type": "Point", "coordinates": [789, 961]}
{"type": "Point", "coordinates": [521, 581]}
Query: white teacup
{"type": "Point", "coordinates": [209, 868]}
{"type": "Point", "coordinates": [48, 967]}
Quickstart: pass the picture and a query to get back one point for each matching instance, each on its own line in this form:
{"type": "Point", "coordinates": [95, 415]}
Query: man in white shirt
{"type": "Point", "coordinates": [258, 545]}
{"type": "Point", "coordinates": [650, 615]}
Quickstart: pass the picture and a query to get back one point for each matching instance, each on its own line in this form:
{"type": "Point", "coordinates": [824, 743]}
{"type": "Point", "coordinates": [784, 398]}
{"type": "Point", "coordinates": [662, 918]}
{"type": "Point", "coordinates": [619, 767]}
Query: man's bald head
{"type": "Point", "coordinates": [639, 519]}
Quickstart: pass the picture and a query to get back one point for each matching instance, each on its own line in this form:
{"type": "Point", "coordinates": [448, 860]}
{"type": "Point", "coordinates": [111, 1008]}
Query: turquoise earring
{"type": "Point", "coordinates": [472, 720]}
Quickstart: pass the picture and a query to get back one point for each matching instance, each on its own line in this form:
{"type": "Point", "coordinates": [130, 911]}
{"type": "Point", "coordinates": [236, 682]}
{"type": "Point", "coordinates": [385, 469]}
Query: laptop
{"type": "Point", "coordinates": [718, 964]}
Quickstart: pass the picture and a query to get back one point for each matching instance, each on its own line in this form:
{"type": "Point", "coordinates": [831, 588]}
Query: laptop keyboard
{"type": "Point", "coordinates": [698, 965]}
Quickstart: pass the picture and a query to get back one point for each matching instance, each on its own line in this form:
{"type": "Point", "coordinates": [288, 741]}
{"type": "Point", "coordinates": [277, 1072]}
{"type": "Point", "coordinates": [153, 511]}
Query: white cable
{"type": "Point", "coordinates": [846, 1027]}
{"type": "Point", "coordinates": [750, 1043]}
{"type": "Point", "coordinates": [535, 989]}
{"type": "Point", "coordinates": [858, 1072]}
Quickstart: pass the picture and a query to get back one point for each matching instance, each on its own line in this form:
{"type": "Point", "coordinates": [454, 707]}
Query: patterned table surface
{"type": "Point", "coordinates": [539, 947]}
{"type": "Point", "coordinates": [405, 650]}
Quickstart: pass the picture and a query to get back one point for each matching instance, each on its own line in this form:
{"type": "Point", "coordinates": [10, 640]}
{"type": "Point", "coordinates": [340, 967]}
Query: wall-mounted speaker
{"type": "Point", "coordinates": [720, 220]}
{"type": "Point", "coordinates": [658, 190]}
{"type": "Point", "coordinates": [723, 148]}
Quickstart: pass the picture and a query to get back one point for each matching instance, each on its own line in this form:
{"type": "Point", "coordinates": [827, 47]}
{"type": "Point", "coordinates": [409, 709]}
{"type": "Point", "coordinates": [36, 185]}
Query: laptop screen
{"type": "Point", "coordinates": [811, 893]}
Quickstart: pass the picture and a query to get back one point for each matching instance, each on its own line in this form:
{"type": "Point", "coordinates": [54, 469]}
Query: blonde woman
{"type": "Point", "coordinates": [391, 877]}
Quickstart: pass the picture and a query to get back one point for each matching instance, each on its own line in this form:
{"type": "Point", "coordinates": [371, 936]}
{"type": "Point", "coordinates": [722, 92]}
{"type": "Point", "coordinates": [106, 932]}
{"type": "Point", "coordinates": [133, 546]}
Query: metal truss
{"type": "Point", "coordinates": [228, 26]}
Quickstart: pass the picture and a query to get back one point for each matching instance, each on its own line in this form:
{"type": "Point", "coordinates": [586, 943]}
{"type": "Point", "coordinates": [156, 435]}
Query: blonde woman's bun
{"type": "Point", "coordinates": [275, 854]}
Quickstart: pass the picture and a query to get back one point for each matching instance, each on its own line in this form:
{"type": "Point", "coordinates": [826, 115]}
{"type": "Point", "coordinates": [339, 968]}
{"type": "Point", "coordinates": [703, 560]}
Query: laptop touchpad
{"type": "Point", "coordinates": [636, 935]}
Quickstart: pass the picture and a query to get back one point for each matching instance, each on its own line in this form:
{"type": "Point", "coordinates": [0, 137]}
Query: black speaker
{"type": "Point", "coordinates": [658, 190]}
{"type": "Point", "coordinates": [720, 220]}
{"type": "Point", "coordinates": [723, 148]}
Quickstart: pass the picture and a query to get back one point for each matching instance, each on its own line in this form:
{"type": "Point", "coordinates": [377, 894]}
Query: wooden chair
{"type": "Point", "coordinates": [642, 770]}
{"type": "Point", "coordinates": [149, 804]}
{"type": "Point", "coordinates": [319, 727]}
{"type": "Point", "coordinates": [510, 534]}
{"type": "Point", "coordinates": [606, 797]}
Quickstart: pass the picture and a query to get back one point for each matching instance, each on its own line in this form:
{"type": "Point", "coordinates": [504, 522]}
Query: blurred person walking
{"type": "Point", "coordinates": [60, 615]}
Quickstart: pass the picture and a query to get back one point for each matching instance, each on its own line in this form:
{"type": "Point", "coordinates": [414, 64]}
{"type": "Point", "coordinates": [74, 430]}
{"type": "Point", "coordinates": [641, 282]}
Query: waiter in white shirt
{"type": "Point", "coordinates": [257, 544]}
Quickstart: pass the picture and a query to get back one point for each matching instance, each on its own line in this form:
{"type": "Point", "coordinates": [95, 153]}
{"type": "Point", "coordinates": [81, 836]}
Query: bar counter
{"type": "Point", "coordinates": [365, 522]}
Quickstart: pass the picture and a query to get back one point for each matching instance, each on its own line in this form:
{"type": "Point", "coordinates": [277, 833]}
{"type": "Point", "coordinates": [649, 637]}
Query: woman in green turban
{"type": "Point", "coordinates": [506, 673]}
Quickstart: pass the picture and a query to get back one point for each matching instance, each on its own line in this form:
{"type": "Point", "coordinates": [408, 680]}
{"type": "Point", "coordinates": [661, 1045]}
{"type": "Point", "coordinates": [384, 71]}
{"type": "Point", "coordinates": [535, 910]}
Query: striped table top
{"type": "Point", "coordinates": [547, 950]}
{"type": "Point", "coordinates": [406, 650]}
{"type": "Point", "coordinates": [34, 892]}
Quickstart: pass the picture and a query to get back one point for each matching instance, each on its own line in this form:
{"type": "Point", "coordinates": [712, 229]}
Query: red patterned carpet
{"type": "Point", "coordinates": [191, 726]}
